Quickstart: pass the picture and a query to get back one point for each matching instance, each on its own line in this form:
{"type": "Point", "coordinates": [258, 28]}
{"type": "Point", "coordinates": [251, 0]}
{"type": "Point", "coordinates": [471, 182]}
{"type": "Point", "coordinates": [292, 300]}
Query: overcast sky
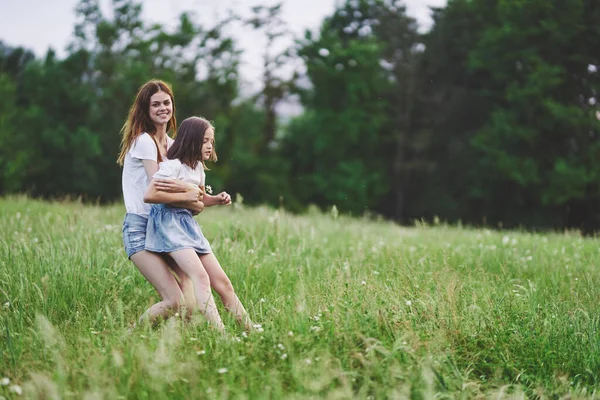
{"type": "Point", "coordinates": [40, 24]}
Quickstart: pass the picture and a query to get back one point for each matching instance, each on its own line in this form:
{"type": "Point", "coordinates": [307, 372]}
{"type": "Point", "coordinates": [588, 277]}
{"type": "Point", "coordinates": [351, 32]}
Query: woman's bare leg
{"type": "Point", "coordinates": [222, 285]}
{"type": "Point", "coordinates": [156, 271]}
{"type": "Point", "coordinates": [186, 286]}
{"type": "Point", "coordinates": [188, 261]}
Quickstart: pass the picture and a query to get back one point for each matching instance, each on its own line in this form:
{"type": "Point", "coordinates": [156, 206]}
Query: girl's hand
{"type": "Point", "coordinates": [171, 185]}
{"type": "Point", "coordinates": [223, 199]}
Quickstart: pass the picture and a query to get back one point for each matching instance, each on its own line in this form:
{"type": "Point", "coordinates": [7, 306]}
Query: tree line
{"type": "Point", "coordinates": [489, 118]}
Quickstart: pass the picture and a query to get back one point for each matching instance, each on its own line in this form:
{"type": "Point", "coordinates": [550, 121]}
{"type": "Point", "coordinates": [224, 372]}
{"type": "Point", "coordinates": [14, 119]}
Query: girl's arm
{"type": "Point", "coordinates": [222, 199]}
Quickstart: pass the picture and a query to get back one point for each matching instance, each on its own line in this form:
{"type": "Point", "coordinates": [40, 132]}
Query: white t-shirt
{"type": "Point", "coordinates": [135, 181]}
{"type": "Point", "coordinates": [174, 169]}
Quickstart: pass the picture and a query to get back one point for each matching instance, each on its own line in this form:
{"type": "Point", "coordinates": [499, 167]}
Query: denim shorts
{"type": "Point", "coordinates": [134, 233]}
{"type": "Point", "coordinates": [172, 228]}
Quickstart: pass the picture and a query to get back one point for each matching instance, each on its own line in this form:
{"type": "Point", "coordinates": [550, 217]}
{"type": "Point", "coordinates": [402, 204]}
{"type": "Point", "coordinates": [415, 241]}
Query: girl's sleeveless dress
{"type": "Point", "coordinates": [172, 228]}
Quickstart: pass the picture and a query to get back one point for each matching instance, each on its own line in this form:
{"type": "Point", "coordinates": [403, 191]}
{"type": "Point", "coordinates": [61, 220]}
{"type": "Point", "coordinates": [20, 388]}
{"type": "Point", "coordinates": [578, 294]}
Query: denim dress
{"type": "Point", "coordinates": [171, 228]}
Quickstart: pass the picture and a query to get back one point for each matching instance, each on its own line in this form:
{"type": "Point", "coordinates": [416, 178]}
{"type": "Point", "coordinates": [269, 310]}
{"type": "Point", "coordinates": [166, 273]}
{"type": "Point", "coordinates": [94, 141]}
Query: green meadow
{"type": "Point", "coordinates": [348, 308]}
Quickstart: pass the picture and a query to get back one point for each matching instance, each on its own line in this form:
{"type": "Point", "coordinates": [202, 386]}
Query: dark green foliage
{"type": "Point", "coordinates": [491, 117]}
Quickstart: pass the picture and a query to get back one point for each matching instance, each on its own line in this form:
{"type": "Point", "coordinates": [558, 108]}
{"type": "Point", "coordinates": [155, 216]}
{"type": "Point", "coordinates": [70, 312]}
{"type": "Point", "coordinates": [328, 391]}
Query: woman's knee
{"type": "Point", "coordinates": [173, 299]}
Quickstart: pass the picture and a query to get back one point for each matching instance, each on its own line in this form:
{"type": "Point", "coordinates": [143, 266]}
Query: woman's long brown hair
{"type": "Point", "coordinates": [138, 120]}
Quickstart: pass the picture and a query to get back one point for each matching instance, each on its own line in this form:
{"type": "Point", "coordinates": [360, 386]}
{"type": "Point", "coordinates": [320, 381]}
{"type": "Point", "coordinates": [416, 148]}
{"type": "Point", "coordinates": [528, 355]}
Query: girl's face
{"type": "Point", "coordinates": [207, 145]}
{"type": "Point", "coordinates": [161, 108]}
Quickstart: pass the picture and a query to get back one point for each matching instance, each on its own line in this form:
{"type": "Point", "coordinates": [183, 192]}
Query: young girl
{"type": "Point", "coordinates": [174, 231]}
{"type": "Point", "coordinates": [144, 143]}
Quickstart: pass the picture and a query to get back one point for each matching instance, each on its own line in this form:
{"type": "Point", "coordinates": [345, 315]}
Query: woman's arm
{"type": "Point", "coordinates": [190, 199]}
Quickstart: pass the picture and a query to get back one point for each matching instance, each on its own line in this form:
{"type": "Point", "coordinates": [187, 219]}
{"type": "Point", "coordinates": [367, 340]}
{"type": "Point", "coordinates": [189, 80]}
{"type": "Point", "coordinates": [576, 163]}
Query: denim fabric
{"type": "Point", "coordinates": [171, 229]}
{"type": "Point", "coordinates": [134, 233]}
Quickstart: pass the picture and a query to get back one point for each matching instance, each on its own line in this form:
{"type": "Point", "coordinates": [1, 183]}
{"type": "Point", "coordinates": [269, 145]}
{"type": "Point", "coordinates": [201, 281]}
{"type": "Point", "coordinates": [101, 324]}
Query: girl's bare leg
{"type": "Point", "coordinates": [222, 285]}
{"type": "Point", "coordinates": [156, 271]}
{"type": "Point", "coordinates": [188, 261]}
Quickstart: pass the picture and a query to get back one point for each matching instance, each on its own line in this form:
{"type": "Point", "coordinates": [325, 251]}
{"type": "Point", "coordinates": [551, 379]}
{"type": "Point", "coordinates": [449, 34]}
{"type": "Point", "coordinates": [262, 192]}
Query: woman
{"type": "Point", "coordinates": [144, 144]}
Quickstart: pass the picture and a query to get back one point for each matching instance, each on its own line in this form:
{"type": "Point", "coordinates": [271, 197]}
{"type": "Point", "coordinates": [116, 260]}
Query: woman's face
{"type": "Point", "coordinates": [161, 108]}
{"type": "Point", "coordinates": [209, 142]}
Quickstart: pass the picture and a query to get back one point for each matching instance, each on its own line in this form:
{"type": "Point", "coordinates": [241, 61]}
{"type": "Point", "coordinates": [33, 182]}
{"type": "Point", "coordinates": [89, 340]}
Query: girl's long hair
{"type": "Point", "coordinates": [138, 120]}
{"type": "Point", "coordinates": [188, 143]}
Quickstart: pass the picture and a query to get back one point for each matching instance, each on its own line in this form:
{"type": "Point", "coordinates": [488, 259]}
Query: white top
{"type": "Point", "coordinates": [135, 181]}
{"type": "Point", "coordinates": [175, 169]}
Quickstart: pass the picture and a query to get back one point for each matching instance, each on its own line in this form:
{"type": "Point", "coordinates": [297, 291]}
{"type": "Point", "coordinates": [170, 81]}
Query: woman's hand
{"type": "Point", "coordinates": [186, 199]}
{"type": "Point", "coordinates": [195, 194]}
{"type": "Point", "coordinates": [171, 185]}
{"type": "Point", "coordinates": [196, 207]}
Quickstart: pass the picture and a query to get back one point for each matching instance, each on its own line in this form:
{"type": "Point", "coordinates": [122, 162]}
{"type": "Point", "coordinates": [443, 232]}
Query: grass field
{"type": "Point", "coordinates": [349, 308]}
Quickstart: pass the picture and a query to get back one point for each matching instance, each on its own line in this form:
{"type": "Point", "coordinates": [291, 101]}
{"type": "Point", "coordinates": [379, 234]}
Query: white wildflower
{"type": "Point", "coordinates": [193, 339]}
{"type": "Point", "coordinates": [290, 333]}
{"type": "Point", "coordinates": [334, 212]}
{"type": "Point", "coordinates": [222, 370]}
{"type": "Point", "coordinates": [280, 346]}
{"type": "Point", "coordinates": [201, 352]}
{"type": "Point", "coordinates": [283, 356]}
{"type": "Point", "coordinates": [505, 240]}
{"type": "Point", "coordinates": [363, 283]}
{"type": "Point", "coordinates": [408, 302]}
{"type": "Point", "coordinates": [6, 305]}
{"type": "Point", "coordinates": [16, 389]}
{"type": "Point", "coordinates": [4, 381]}
{"type": "Point", "coordinates": [323, 52]}
{"type": "Point", "coordinates": [262, 300]}
{"type": "Point", "coordinates": [308, 361]}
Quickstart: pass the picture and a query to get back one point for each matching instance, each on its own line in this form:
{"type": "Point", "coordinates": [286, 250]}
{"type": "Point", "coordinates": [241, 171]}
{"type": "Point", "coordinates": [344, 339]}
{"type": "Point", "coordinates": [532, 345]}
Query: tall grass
{"type": "Point", "coordinates": [350, 308]}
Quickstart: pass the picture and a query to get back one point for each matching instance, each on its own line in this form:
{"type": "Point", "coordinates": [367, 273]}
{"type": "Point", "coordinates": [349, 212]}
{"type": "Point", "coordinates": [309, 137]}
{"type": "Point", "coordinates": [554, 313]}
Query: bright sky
{"type": "Point", "coordinates": [39, 24]}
